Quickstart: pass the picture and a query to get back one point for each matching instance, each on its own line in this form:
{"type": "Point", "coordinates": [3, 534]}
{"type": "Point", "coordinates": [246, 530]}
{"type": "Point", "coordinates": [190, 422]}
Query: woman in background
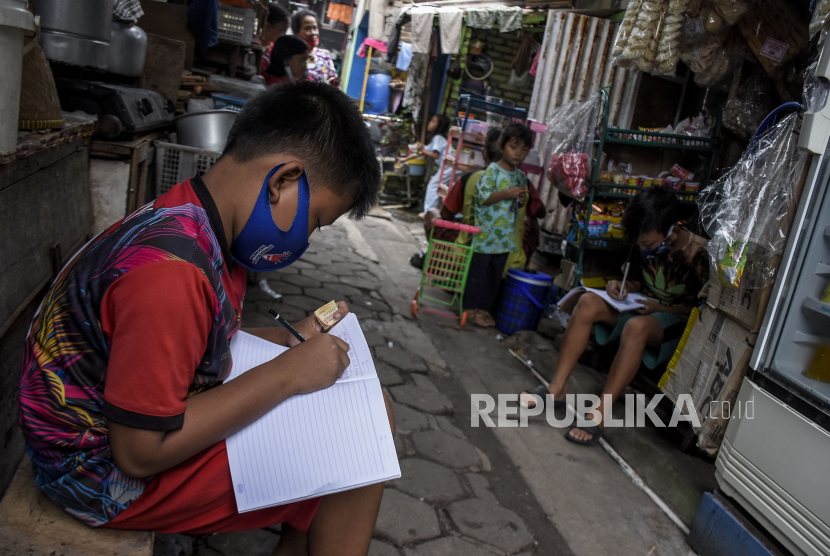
{"type": "Point", "coordinates": [320, 66]}
{"type": "Point", "coordinates": [276, 25]}
{"type": "Point", "coordinates": [288, 60]}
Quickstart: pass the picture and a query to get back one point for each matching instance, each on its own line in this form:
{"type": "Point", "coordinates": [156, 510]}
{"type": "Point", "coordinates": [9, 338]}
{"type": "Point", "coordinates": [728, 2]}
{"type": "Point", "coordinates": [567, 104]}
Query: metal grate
{"type": "Point", "coordinates": [176, 163]}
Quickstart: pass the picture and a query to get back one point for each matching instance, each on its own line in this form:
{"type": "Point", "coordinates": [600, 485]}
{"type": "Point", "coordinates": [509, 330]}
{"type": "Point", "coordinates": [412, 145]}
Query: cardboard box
{"type": "Point", "coordinates": [748, 302]}
{"type": "Point", "coordinates": [712, 358]}
{"type": "Point", "coordinates": [711, 432]}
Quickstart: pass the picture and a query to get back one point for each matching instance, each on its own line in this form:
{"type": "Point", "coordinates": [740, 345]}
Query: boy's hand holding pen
{"type": "Point", "coordinates": [310, 326]}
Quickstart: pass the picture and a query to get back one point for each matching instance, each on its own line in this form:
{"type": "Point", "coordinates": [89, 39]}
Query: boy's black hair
{"type": "Point", "coordinates": [443, 125]}
{"type": "Point", "coordinates": [297, 19]}
{"type": "Point", "coordinates": [651, 210]}
{"type": "Point", "coordinates": [277, 14]}
{"type": "Point", "coordinates": [516, 131]}
{"type": "Point", "coordinates": [491, 144]}
{"type": "Point", "coordinates": [321, 126]}
{"type": "Point", "coordinates": [285, 47]}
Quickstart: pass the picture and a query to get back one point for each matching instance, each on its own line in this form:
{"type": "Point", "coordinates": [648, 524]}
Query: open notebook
{"type": "Point", "coordinates": [630, 303]}
{"type": "Point", "coordinates": [312, 444]}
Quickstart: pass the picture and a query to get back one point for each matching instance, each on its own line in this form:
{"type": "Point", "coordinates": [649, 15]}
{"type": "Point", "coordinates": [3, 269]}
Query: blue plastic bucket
{"type": "Point", "coordinates": [523, 300]}
{"type": "Point", "coordinates": [377, 91]}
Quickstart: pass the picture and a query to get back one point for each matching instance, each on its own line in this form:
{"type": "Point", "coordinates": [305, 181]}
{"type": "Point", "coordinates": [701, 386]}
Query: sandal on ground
{"type": "Point", "coordinates": [594, 430]}
{"type": "Point", "coordinates": [543, 393]}
{"type": "Point", "coordinates": [484, 320]}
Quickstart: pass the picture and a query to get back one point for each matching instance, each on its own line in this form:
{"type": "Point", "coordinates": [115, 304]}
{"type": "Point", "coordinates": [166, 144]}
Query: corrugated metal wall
{"type": "Point", "coordinates": [575, 62]}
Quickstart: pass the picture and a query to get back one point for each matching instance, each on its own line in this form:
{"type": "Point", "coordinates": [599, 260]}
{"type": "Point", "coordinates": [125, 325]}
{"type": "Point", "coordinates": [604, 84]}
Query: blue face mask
{"type": "Point", "coordinates": [262, 245]}
{"type": "Point", "coordinates": [661, 249]}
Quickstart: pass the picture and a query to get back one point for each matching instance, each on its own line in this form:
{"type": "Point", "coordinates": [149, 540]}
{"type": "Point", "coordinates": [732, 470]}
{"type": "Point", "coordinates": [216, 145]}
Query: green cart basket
{"type": "Point", "coordinates": [446, 265]}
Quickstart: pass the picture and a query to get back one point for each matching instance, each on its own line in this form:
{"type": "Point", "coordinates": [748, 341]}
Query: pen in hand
{"type": "Point", "coordinates": [622, 285]}
{"type": "Point", "coordinates": [285, 324]}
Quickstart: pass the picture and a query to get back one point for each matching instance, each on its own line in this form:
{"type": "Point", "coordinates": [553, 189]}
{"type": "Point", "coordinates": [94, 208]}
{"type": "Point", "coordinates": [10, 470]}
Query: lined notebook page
{"type": "Point", "coordinates": [312, 444]}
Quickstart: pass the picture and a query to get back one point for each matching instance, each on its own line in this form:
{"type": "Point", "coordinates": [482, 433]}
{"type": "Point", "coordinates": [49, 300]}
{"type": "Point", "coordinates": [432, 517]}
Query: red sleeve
{"type": "Point", "coordinates": [454, 201]}
{"type": "Point", "coordinates": [157, 318]}
{"type": "Point", "coordinates": [535, 201]}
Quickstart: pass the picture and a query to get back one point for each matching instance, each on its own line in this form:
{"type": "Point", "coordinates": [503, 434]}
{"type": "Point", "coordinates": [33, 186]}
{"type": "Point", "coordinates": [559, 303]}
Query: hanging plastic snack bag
{"type": "Point", "coordinates": [675, 24]}
{"type": "Point", "coordinates": [748, 211]}
{"type": "Point", "coordinates": [570, 145]}
{"type": "Point", "coordinates": [820, 17]}
{"type": "Point", "coordinates": [645, 30]}
{"type": "Point", "coordinates": [748, 104]}
{"type": "Point", "coordinates": [732, 10]}
{"type": "Point", "coordinates": [624, 31]}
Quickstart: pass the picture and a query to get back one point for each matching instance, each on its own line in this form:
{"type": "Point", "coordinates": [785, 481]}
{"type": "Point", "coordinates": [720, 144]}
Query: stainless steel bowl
{"type": "Point", "coordinates": [205, 130]}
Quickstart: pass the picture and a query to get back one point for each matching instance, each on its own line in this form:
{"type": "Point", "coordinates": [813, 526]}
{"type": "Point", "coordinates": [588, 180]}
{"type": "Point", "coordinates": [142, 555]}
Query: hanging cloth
{"type": "Point", "coordinates": [377, 9]}
{"type": "Point", "coordinates": [450, 20]}
{"type": "Point", "coordinates": [481, 18]}
{"type": "Point", "coordinates": [416, 81]}
{"type": "Point", "coordinates": [404, 56]}
{"type": "Point", "coordinates": [340, 12]}
{"type": "Point", "coordinates": [401, 16]}
{"type": "Point", "coordinates": [203, 21]}
{"type": "Point", "coordinates": [422, 28]}
{"type": "Point", "coordinates": [523, 54]}
{"type": "Point", "coordinates": [509, 19]}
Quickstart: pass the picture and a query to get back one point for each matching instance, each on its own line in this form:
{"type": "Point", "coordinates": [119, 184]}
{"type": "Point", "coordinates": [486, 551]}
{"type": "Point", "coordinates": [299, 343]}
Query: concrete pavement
{"type": "Point", "coordinates": [467, 491]}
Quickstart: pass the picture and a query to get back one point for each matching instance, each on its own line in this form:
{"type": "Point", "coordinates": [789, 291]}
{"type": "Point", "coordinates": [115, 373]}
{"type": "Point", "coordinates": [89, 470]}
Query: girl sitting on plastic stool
{"type": "Point", "coordinates": [670, 265]}
{"type": "Point", "coordinates": [438, 126]}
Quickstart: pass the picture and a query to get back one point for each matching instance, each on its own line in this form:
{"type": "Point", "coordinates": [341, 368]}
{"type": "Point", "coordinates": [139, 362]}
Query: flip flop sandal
{"type": "Point", "coordinates": [543, 393]}
{"type": "Point", "coordinates": [484, 321]}
{"type": "Point", "coordinates": [594, 430]}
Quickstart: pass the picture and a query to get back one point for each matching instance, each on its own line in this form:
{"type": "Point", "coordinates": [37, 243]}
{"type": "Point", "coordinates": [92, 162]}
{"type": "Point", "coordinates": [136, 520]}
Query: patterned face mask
{"type": "Point", "coordinates": [262, 245]}
{"type": "Point", "coordinates": [661, 249]}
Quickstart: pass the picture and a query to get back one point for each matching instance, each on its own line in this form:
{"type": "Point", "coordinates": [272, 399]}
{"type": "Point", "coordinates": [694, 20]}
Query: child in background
{"type": "Point", "coordinates": [288, 60]}
{"type": "Point", "coordinates": [499, 194]}
{"type": "Point", "coordinates": [438, 126]}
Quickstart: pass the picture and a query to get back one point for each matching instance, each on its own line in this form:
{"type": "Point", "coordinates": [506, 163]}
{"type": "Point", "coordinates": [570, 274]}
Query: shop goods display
{"type": "Point", "coordinates": [570, 145]}
{"type": "Point", "coordinates": [747, 211]}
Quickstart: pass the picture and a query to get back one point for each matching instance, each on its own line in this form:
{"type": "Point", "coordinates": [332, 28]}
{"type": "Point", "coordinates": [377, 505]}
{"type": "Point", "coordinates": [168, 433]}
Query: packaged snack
{"type": "Point", "coordinates": [679, 171]}
{"type": "Point", "coordinates": [776, 33]}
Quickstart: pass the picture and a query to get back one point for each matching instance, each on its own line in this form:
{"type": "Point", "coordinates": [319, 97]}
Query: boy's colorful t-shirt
{"type": "Point", "coordinates": [498, 220]}
{"type": "Point", "coordinates": [139, 320]}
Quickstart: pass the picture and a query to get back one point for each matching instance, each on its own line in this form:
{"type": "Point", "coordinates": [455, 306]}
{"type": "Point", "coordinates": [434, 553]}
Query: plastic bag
{"type": "Point", "coordinates": [748, 211]}
{"type": "Point", "coordinates": [732, 10]}
{"type": "Point", "coordinates": [815, 90]}
{"type": "Point", "coordinates": [820, 17]}
{"type": "Point", "coordinates": [645, 33]}
{"type": "Point", "coordinates": [710, 57]}
{"type": "Point", "coordinates": [674, 26]}
{"type": "Point", "coordinates": [748, 104]}
{"type": "Point", "coordinates": [570, 146]}
{"type": "Point", "coordinates": [625, 29]}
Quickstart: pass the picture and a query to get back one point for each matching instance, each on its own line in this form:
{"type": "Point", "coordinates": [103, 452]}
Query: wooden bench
{"type": "Point", "coordinates": [32, 525]}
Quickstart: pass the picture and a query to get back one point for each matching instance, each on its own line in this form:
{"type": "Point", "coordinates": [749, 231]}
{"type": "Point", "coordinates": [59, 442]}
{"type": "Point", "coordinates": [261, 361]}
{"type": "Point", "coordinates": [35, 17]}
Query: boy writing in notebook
{"type": "Point", "coordinates": [122, 400]}
{"type": "Point", "coordinates": [500, 191]}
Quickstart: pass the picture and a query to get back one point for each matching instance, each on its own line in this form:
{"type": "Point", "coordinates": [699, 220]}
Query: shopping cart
{"type": "Point", "coordinates": [446, 265]}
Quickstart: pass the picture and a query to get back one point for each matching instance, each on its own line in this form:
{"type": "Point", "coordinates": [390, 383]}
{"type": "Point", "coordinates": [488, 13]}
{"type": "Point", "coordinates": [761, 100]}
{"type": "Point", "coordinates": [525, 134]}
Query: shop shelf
{"type": "Point", "coordinates": [657, 140]}
{"type": "Point", "coordinates": [602, 191]}
{"type": "Point", "coordinates": [601, 243]}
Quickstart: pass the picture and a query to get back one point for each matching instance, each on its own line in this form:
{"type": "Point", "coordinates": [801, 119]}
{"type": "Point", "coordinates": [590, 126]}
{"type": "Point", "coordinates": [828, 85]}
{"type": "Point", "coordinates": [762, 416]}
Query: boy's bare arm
{"type": "Point", "coordinates": [215, 414]}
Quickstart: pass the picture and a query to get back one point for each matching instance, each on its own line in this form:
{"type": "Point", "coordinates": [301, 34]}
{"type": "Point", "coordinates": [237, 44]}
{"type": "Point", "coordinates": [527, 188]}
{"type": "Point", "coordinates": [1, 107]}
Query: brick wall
{"type": "Point", "coordinates": [500, 47]}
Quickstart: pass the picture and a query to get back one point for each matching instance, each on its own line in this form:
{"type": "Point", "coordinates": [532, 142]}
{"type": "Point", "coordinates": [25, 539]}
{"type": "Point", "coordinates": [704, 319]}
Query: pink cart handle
{"type": "Point", "coordinates": [453, 226]}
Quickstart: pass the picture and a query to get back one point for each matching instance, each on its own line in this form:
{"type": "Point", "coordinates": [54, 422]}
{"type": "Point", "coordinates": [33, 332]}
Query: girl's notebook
{"type": "Point", "coordinates": [630, 303]}
{"type": "Point", "coordinates": [312, 444]}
